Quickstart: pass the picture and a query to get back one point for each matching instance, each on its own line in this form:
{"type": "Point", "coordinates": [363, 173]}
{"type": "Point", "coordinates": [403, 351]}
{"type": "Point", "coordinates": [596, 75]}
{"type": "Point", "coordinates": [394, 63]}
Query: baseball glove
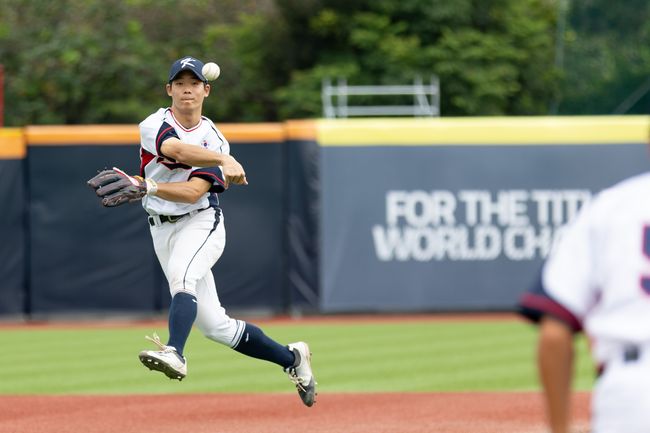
{"type": "Point", "coordinates": [116, 187]}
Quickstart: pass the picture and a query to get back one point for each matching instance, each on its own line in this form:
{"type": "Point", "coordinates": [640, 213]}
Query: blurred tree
{"type": "Point", "coordinates": [105, 61]}
{"type": "Point", "coordinates": [607, 52]}
{"type": "Point", "coordinates": [493, 57]}
{"type": "Point", "coordinates": [100, 61]}
{"type": "Point", "coordinates": [79, 67]}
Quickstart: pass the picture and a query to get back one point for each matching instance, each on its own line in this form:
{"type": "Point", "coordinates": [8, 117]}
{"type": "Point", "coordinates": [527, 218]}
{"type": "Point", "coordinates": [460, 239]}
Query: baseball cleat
{"type": "Point", "coordinates": [300, 373]}
{"type": "Point", "coordinates": [166, 360]}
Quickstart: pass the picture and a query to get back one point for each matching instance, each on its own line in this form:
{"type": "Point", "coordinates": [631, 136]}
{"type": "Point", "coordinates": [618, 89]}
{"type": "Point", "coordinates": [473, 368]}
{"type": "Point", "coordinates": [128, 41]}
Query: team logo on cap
{"type": "Point", "coordinates": [187, 62]}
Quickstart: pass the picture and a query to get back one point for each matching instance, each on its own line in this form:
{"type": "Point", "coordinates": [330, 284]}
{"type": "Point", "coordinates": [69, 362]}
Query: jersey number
{"type": "Point", "coordinates": [645, 279]}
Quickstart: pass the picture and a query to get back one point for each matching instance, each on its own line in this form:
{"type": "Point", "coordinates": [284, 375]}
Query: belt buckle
{"type": "Point", "coordinates": [155, 220]}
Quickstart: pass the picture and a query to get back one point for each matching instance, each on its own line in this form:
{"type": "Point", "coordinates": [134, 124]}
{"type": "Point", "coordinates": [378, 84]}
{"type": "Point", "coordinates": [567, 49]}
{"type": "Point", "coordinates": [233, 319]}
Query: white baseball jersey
{"type": "Point", "coordinates": [597, 278]}
{"type": "Point", "coordinates": [154, 130]}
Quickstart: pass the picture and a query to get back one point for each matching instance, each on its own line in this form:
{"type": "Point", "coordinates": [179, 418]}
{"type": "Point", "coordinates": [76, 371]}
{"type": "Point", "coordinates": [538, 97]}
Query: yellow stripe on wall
{"type": "Point", "coordinates": [365, 132]}
{"type": "Point", "coordinates": [484, 131]}
{"type": "Point", "coordinates": [12, 143]}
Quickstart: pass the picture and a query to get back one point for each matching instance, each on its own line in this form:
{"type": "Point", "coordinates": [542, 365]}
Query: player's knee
{"type": "Point", "coordinates": [226, 332]}
{"type": "Point", "coordinates": [218, 337]}
{"type": "Point", "coordinates": [179, 283]}
{"type": "Point", "coordinates": [177, 288]}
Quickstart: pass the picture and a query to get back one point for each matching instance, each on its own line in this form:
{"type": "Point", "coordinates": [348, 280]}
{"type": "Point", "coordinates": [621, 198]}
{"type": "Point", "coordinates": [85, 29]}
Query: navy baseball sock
{"type": "Point", "coordinates": [255, 343]}
{"type": "Point", "coordinates": [182, 313]}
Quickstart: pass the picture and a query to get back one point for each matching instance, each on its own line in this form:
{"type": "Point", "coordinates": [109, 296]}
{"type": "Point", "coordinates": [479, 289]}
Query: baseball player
{"type": "Point", "coordinates": [597, 280]}
{"type": "Point", "coordinates": [185, 162]}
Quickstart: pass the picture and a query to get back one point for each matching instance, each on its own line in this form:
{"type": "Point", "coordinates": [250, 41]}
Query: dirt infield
{"type": "Point", "coordinates": [479, 412]}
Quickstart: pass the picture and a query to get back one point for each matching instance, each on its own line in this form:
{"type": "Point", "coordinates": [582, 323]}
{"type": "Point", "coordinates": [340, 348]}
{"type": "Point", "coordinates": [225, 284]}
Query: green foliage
{"type": "Point", "coordinates": [607, 57]}
{"type": "Point", "coordinates": [354, 357]}
{"type": "Point", "coordinates": [249, 76]}
{"type": "Point", "coordinates": [106, 62]}
{"type": "Point", "coordinates": [479, 72]}
{"type": "Point", "coordinates": [302, 97]}
{"type": "Point", "coordinates": [61, 69]}
{"type": "Point", "coordinates": [492, 57]}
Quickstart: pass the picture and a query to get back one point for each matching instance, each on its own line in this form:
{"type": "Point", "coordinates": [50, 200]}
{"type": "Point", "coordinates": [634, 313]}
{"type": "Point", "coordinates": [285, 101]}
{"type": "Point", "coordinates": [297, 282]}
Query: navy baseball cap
{"type": "Point", "coordinates": [187, 64]}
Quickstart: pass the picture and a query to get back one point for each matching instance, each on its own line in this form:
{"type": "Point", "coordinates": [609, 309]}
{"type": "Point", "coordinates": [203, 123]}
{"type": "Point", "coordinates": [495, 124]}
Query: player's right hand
{"type": "Point", "coordinates": [233, 172]}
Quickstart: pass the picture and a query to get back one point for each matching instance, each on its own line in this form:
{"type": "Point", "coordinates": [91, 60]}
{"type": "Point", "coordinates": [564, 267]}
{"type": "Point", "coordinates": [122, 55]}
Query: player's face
{"type": "Point", "coordinates": [187, 92]}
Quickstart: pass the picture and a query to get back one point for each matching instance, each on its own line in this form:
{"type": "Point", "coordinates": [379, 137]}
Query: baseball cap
{"type": "Point", "coordinates": [187, 64]}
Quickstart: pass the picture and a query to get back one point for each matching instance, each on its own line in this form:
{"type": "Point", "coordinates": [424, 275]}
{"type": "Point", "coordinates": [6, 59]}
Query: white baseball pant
{"type": "Point", "coordinates": [187, 250]}
{"type": "Point", "coordinates": [621, 397]}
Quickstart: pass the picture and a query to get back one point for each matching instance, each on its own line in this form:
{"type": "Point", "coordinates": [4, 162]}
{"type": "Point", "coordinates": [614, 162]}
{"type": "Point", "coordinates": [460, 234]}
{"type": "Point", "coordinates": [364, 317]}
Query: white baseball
{"type": "Point", "coordinates": [211, 71]}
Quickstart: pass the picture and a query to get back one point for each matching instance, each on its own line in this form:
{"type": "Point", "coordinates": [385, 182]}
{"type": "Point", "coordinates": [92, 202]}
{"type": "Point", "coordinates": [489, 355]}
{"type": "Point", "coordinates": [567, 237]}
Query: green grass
{"type": "Point", "coordinates": [353, 357]}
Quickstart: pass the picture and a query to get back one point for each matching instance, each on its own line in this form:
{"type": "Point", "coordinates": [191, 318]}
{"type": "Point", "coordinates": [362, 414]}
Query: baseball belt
{"type": "Point", "coordinates": [155, 220]}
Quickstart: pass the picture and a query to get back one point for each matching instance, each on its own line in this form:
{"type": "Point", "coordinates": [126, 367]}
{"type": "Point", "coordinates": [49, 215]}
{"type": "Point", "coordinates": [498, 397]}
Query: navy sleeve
{"type": "Point", "coordinates": [166, 131]}
{"type": "Point", "coordinates": [536, 303]}
{"type": "Point", "coordinates": [212, 175]}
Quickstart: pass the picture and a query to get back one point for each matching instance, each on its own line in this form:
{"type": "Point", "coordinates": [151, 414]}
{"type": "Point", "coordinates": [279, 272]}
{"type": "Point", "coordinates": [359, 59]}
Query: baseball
{"type": "Point", "coordinates": [211, 71]}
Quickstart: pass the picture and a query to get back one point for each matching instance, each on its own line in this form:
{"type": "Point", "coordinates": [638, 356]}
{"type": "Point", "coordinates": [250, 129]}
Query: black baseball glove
{"type": "Point", "coordinates": [116, 187]}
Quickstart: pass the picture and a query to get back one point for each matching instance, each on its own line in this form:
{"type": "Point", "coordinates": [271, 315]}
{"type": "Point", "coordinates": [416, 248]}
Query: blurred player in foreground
{"type": "Point", "coordinates": [597, 280]}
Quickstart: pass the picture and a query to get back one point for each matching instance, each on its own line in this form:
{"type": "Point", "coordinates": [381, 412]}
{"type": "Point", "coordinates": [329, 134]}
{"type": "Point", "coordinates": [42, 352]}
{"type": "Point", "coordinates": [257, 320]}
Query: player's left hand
{"type": "Point", "coordinates": [115, 187]}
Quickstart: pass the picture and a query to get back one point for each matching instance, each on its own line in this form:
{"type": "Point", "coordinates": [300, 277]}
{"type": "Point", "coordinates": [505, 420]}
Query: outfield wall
{"type": "Point", "coordinates": [13, 241]}
{"type": "Point", "coordinates": [64, 253]}
{"type": "Point", "coordinates": [340, 215]}
{"type": "Point", "coordinates": [457, 214]}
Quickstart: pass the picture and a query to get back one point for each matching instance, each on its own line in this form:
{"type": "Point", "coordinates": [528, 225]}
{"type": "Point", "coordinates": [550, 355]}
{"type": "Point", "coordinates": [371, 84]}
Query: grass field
{"type": "Point", "coordinates": [436, 355]}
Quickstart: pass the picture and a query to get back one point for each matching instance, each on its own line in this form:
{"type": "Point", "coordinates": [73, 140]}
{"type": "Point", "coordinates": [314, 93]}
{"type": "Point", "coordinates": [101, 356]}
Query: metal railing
{"type": "Point", "coordinates": [426, 99]}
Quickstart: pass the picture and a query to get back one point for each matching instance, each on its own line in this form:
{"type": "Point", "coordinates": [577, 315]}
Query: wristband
{"type": "Point", "coordinates": [152, 186]}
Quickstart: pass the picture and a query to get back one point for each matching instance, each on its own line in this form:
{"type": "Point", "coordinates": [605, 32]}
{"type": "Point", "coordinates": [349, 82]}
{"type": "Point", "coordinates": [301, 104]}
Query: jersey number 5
{"type": "Point", "coordinates": [645, 279]}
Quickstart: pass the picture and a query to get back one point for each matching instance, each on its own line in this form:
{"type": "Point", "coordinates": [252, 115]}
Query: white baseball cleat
{"type": "Point", "coordinates": [300, 373]}
{"type": "Point", "coordinates": [165, 360]}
